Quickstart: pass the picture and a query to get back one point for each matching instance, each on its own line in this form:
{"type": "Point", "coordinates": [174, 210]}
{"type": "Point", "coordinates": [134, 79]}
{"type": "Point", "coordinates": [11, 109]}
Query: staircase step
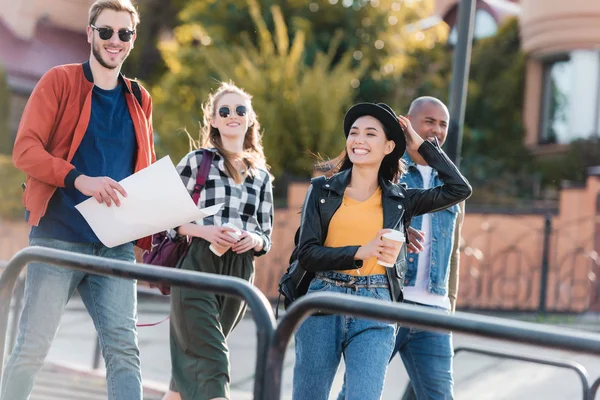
{"type": "Point", "coordinates": [56, 382]}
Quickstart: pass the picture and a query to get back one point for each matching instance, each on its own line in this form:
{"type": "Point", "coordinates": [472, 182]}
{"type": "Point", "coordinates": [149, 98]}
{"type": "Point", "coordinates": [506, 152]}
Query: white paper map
{"type": "Point", "coordinates": [156, 201]}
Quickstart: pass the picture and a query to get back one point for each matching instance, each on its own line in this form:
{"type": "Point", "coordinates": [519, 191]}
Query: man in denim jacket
{"type": "Point", "coordinates": [432, 274]}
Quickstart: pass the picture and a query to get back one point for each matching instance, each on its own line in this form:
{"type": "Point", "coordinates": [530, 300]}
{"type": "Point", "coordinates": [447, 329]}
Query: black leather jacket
{"type": "Point", "coordinates": [400, 205]}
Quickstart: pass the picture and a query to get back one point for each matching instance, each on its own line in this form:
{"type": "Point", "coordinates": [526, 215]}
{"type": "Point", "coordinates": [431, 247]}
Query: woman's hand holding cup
{"type": "Point", "coordinates": [372, 249]}
{"type": "Point", "coordinates": [223, 238]}
{"type": "Point", "coordinates": [392, 242]}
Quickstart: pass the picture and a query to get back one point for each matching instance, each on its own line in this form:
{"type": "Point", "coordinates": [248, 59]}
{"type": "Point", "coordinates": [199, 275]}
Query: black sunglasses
{"type": "Point", "coordinates": [224, 112]}
{"type": "Point", "coordinates": [125, 35]}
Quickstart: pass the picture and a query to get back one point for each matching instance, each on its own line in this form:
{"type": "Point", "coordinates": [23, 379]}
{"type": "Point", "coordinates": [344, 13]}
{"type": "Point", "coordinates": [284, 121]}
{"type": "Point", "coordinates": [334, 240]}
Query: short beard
{"type": "Point", "coordinates": [98, 56]}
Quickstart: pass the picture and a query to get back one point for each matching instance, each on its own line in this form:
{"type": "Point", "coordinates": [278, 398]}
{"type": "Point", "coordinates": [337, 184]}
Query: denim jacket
{"type": "Point", "coordinates": [442, 236]}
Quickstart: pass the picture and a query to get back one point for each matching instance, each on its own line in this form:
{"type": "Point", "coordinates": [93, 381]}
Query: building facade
{"type": "Point", "coordinates": [562, 91]}
{"type": "Point", "coordinates": [36, 35]}
{"type": "Point", "coordinates": [562, 84]}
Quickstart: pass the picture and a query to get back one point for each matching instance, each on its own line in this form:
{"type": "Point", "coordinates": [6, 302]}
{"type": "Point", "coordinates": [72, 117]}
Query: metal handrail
{"type": "Point", "coordinates": [258, 303]}
{"type": "Point", "coordinates": [272, 340]}
{"type": "Point", "coordinates": [16, 307]}
{"type": "Point", "coordinates": [594, 389]}
{"type": "Point", "coordinates": [492, 327]}
{"type": "Point", "coordinates": [579, 369]}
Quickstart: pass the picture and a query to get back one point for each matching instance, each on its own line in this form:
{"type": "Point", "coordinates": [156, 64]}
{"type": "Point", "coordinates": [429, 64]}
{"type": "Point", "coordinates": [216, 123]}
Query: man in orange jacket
{"type": "Point", "coordinates": [85, 128]}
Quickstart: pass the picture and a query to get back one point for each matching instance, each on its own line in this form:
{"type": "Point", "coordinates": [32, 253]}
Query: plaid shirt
{"type": "Point", "coordinates": [248, 205]}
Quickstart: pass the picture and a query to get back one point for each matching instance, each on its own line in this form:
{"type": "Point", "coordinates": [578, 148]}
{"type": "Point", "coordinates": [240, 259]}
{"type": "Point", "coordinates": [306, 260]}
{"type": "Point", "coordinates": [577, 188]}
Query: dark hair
{"type": "Point", "coordinates": [391, 169]}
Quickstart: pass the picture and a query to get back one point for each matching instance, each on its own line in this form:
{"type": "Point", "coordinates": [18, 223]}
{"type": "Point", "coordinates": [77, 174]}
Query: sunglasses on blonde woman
{"type": "Point", "coordinates": [225, 112]}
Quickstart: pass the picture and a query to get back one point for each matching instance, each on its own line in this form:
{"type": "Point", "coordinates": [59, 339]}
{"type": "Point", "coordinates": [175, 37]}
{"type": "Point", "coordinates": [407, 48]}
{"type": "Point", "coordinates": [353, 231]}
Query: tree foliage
{"type": "Point", "coordinates": [381, 32]}
{"type": "Point", "coordinates": [300, 107]}
{"type": "Point", "coordinates": [494, 154]}
{"type": "Point", "coordinates": [303, 74]}
{"type": "Point", "coordinates": [303, 61]}
{"type": "Point", "coordinates": [10, 189]}
{"type": "Point", "coordinates": [5, 137]}
{"type": "Point", "coordinates": [494, 157]}
{"type": "Point", "coordinates": [158, 18]}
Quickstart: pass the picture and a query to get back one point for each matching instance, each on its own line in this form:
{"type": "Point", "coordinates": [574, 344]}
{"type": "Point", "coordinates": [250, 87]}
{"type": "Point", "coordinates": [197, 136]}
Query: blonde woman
{"type": "Point", "coordinates": [239, 178]}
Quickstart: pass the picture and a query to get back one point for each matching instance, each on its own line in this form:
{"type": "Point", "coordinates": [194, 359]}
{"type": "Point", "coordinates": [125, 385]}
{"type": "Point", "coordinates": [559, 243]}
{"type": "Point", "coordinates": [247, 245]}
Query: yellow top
{"type": "Point", "coordinates": [356, 223]}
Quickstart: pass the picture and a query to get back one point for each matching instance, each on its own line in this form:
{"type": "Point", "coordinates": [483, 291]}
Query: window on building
{"type": "Point", "coordinates": [555, 102]}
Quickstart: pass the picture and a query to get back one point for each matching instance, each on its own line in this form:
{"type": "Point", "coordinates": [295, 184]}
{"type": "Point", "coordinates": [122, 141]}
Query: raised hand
{"type": "Point", "coordinates": [413, 140]}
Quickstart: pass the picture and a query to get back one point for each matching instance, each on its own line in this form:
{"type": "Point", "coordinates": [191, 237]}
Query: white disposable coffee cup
{"type": "Point", "coordinates": [220, 250]}
{"type": "Point", "coordinates": [397, 239]}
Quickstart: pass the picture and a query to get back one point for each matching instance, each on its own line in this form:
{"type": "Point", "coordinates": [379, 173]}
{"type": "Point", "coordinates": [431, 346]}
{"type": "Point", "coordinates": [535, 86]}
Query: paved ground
{"type": "Point", "coordinates": [57, 382]}
{"type": "Point", "coordinates": [477, 377]}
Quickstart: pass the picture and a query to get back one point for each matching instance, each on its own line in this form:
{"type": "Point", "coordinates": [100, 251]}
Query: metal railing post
{"type": "Point", "coordinates": [573, 366]}
{"type": "Point", "coordinates": [409, 393]}
{"type": "Point", "coordinates": [594, 389]}
{"type": "Point", "coordinates": [545, 268]}
{"type": "Point", "coordinates": [17, 308]}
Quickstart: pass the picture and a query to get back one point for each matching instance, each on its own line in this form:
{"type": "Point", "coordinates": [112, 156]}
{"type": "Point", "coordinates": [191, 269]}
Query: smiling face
{"type": "Point", "coordinates": [226, 116]}
{"type": "Point", "coordinates": [431, 120]}
{"type": "Point", "coordinates": [367, 143]}
{"type": "Point", "coordinates": [111, 53]}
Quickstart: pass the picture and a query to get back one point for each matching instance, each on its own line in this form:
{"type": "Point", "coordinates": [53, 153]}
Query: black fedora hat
{"type": "Point", "coordinates": [384, 114]}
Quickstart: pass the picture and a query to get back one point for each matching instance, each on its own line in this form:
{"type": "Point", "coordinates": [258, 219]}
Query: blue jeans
{"type": "Point", "coordinates": [321, 340]}
{"type": "Point", "coordinates": [110, 301]}
{"type": "Point", "coordinates": [427, 357]}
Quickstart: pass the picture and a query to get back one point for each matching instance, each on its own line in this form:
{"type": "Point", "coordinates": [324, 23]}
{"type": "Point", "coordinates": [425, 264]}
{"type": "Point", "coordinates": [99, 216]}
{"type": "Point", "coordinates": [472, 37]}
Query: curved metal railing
{"type": "Point", "coordinates": [258, 303]}
{"type": "Point", "coordinates": [273, 339]}
{"type": "Point", "coordinates": [491, 327]}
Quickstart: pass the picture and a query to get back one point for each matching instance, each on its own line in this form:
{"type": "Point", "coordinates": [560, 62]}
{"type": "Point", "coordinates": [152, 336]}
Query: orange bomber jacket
{"type": "Point", "coordinates": [52, 127]}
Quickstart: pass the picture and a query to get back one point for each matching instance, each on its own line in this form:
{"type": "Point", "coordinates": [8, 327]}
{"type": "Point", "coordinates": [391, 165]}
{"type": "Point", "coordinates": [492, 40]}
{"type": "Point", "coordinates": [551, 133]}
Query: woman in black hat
{"type": "Point", "coordinates": [343, 221]}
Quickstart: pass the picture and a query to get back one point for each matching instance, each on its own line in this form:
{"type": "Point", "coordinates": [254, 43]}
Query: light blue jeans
{"type": "Point", "coordinates": [321, 340]}
{"type": "Point", "coordinates": [427, 356]}
{"type": "Point", "coordinates": [110, 301]}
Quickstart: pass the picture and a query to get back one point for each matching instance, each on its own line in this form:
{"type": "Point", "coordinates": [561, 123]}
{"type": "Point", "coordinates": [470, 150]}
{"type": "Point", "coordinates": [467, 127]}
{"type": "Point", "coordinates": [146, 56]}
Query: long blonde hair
{"type": "Point", "coordinates": [253, 156]}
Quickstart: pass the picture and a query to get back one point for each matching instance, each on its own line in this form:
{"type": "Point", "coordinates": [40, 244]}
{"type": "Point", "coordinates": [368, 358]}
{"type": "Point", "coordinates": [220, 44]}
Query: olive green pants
{"type": "Point", "coordinates": [201, 322]}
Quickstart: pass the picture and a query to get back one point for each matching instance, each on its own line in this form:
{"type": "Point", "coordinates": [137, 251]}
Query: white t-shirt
{"type": "Point", "coordinates": [419, 293]}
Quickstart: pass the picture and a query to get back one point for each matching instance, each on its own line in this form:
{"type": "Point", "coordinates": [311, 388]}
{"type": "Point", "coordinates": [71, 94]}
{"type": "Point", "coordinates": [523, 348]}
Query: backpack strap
{"type": "Point", "coordinates": [137, 92]}
{"type": "Point", "coordinates": [202, 175]}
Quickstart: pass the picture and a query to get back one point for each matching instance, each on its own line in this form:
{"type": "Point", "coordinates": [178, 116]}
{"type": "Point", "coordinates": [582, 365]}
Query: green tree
{"type": "Point", "coordinates": [494, 157]}
{"type": "Point", "coordinates": [10, 177]}
{"type": "Point", "coordinates": [380, 32]}
{"type": "Point", "coordinates": [158, 19]}
{"type": "Point", "coordinates": [300, 107]}
{"type": "Point", "coordinates": [10, 189]}
{"type": "Point", "coordinates": [5, 138]}
{"type": "Point", "coordinates": [427, 73]}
